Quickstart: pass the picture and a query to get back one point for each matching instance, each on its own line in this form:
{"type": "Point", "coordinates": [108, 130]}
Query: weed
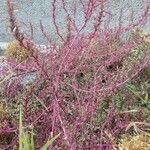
{"type": "Point", "coordinates": [135, 142]}
{"type": "Point", "coordinates": [17, 52]}
{"type": "Point", "coordinates": [74, 80]}
{"type": "Point", "coordinates": [26, 139]}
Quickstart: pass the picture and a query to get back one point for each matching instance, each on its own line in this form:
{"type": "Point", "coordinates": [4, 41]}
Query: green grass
{"type": "Point", "coordinates": [26, 139]}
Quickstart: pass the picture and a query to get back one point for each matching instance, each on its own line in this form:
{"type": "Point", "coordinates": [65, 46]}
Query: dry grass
{"type": "Point", "coordinates": [136, 142]}
{"type": "Point", "coordinates": [15, 51]}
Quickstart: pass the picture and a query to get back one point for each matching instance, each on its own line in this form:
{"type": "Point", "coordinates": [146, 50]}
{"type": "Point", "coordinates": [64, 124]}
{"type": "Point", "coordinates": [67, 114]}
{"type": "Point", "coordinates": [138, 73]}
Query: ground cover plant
{"type": "Point", "coordinates": [93, 89]}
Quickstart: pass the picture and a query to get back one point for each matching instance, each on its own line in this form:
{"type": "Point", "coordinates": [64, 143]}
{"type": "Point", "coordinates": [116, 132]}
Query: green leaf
{"type": "Point", "coordinates": [132, 88]}
{"type": "Point", "coordinates": [146, 98]}
{"type": "Point", "coordinates": [20, 130]}
{"type": "Point", "coordinates": [26, 139]}
{"type": "Point", "coordinates": [49, 142]}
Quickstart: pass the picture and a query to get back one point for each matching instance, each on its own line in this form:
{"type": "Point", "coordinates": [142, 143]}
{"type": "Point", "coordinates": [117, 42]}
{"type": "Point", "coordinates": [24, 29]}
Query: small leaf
{"type": "Point", "coordinates": [49, 142]}
{"type": "Point", "coordinates": [146, 98]}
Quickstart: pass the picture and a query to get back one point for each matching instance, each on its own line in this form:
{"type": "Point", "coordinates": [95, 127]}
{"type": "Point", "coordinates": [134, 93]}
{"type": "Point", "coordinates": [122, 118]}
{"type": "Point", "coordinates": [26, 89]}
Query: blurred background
{"type": "Point", "coordinates": [30, 12]}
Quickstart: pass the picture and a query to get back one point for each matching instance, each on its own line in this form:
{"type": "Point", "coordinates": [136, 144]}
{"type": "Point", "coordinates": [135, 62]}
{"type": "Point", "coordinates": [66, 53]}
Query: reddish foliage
{"type": "Point", "coordinates": [73, 80]}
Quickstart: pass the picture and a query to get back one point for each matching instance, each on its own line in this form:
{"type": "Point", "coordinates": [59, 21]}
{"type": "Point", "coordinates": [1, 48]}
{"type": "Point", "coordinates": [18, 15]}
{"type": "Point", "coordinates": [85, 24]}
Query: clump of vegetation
{"type": "Point", "coordinates": [27, 139]}
{"type": "Point", "coordinates": [6, 137]}
{"type": "Point", "coordinates": [15, 51]}
{"type": "Point", "coordinates": [74, 85]}
{"type": "Point", "coordinates": [135, 142]}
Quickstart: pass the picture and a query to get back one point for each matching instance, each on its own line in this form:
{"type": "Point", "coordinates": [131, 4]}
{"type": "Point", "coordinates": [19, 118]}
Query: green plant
{"type": "Point", "coordinates": [26, 139]}
{"type": "Point", "coordinates": [144, 98]}
{"type": "Point", "coordinates": [119, 101]}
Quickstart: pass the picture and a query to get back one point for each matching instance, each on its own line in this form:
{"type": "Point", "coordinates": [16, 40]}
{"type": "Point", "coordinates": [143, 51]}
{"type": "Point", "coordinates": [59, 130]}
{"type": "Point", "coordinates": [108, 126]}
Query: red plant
{"type": "Point", "coordinates": [73, 80]}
